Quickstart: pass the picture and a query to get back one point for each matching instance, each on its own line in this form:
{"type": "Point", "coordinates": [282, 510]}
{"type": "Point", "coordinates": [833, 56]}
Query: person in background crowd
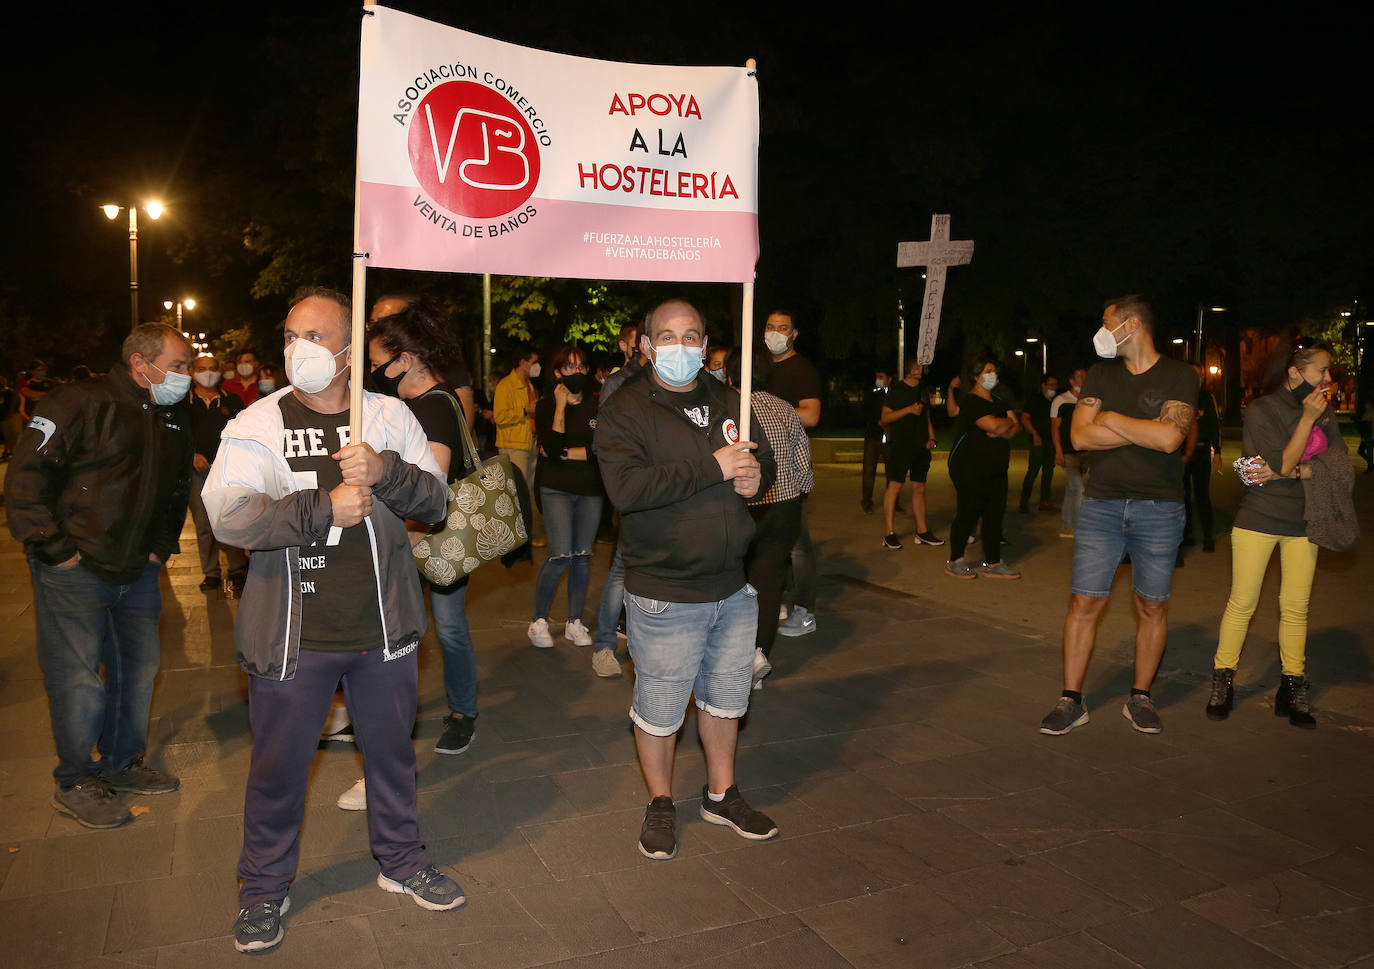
{"type": "Point", "coordinates": [211, 408]}
{"type": "Point", "coordinates": [613, 590]}
{"type": "Point", "coordinates": [82, 373]}
{"type": "Point", "coordinates": [513, 414]}
{"type": "Point", "coordinates": [570, 492]}
{"type": "Point", "coordinates": [246, 376]}
{"type": "Point", "coordinates": [875, 437]}
{"type": "Point", "coordinates": [410, 355]}
{"type": "Point", "coordinates": [1035, 420]}
{"type": "Point", "coordinates": [1201, 460]}
{"type": "Point", "coordinates": [715, 363]}
{"type": "Point", "coordinates": [1133, 417]}
{"type": "Point", "coordinates": [956, 386]}
{"type": "Point", "coordinates": [907, 419]}
{"type": "Point", "coordinates": [9, 414]}
{"type": "Point", "coordinates": [97, 494]}
{"type": "Point", "coordinates": [459, 377]}
{"type": "Point", "coordinates": [269, 381]}
{"type": "Point", "coordinates": [333, 596]}
{"type": "Point", "coordinates": [672, 456]}
{"type": "Point", "coordinates": [776, 512]}
{"type": "Point", "coordinates": [793, 378]}
{"type": "Point", "coordinates": [978, 464]}
{"type": "Point", "coordinates": [1287, 429]}
{"type": "Point", "coordinates": [1065, 454]}
{"type": "Point", "coordinates": [32, 389]}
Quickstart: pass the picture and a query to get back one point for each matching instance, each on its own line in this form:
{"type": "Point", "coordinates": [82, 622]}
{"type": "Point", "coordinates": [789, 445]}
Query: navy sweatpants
{"type": "Point", "coordinates": [287, 717]}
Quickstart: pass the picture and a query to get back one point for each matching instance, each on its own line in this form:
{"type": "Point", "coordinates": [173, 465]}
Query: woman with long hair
{"type": "Point", "coordinates": [978, 467]}
{"type": "Point", "coordinates": [568, 483]}
{"type": "Point", "coordinates": [1284, 430]}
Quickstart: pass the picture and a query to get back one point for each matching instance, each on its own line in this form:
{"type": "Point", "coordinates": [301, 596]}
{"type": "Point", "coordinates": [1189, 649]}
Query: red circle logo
{"type": "Point", "coordinates": [731, 431]}
{"type": "Point", "coordinates": [472, 151]}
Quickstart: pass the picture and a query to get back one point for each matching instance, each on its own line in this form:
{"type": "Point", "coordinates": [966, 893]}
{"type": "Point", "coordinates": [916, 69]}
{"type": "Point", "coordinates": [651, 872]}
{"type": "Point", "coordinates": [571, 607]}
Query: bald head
{"type": "Point", "coordinates": [325, 316]}
{"type": "Point", "coordinates": [681, 312]}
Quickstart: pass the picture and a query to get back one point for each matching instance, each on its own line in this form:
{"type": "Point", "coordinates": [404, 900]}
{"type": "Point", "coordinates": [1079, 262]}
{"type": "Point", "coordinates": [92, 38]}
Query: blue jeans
{"type": "Point", "coordinates": [84, 623]}
{"type": "Point", "coordinates": [570, 521]}
{"type": "Point", "coordinates": [449, 607]}
{"type": "Point", "coordinates": [1109, 529]}
{"type": "Point", "coordinates": [612, 601]}
{"type": "Point", "coordinates": [681, 648]}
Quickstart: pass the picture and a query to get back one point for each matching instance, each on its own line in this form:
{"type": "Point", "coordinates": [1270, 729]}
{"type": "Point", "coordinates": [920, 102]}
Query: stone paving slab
{"type": "Point", "coordinates": [924, 821]}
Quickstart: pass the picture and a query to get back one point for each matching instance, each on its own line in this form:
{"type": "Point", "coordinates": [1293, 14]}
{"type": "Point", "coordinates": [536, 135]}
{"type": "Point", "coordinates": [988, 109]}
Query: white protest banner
{"type": "Point", "coordinates": [475, 155]}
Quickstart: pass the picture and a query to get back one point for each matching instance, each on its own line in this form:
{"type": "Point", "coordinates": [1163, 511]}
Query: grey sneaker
{"type": "Point", "coordinates": [658, 835]}
{"type": "Point", "coordinates": [960, 569]}
{"type": "Point", "coordinates": [1141, 712]}
{"type": "Point", "coordinates": [734, 812]}
{"type": "Point", "coordinates": [799, 623]}
{"type": "Point", "coordinates": [999, 570]}
{"type": "Point", "coordinates": [138, 779]}
{"type": "Point", "coordinates": [1067, 714]}
{"type": "Point", "coordinates": [430, 888]}
{"type": "Point", "coordinates": [92, 803]}
{"type": "Point", "coordinates": [259, 926]}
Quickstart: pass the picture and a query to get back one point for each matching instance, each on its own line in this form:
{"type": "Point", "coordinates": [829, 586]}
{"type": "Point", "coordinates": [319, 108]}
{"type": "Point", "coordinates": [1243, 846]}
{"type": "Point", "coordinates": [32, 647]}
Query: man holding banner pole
{"type": "Point", "coordinates": [677, 467]}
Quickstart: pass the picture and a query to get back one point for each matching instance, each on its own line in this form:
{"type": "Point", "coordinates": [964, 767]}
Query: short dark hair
{"type": "Point", "coordinates": [763, 366]}
{"type": "Point", "coordinates": [344, 304]}
{"type": "Point", "coordinates": [423, 331]}
{"type": "Point", "coordinates": [1296, 353]}
{"type": "Point", "coordinates": [628, 330]}
{"type": "Point", "coordinates": [783, 311]}
{"type": "Point", "coordinates": [1133, 305]}
{"type": "Point", "coordinates": [520, 354]}
{"type": "Point", "coordinates": [563, 354]}
{"type": "Point", "coordinates": [243, 352]}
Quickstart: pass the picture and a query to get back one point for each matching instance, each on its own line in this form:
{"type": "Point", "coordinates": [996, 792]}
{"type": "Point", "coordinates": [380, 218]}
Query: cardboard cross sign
{"type": "Point", "coordinates": [935, 255]}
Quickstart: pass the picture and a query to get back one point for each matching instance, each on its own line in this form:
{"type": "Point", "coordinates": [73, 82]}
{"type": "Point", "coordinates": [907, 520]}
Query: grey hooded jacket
{"type": "Point", "coordinates": [255, 502]}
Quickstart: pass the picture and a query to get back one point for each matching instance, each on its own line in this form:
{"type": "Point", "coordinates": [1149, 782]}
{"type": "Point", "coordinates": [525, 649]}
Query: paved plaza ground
{"type": "Point", "coordinates": [924, 820]}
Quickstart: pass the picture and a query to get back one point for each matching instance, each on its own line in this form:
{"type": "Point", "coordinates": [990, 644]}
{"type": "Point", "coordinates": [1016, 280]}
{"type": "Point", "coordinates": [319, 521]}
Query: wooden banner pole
{"type": "Point", "coordinates": [359, 335]}
{"type": "Point", "coordinates": [746, 363]}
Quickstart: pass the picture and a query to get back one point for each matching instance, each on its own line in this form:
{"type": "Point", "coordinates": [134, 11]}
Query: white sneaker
{"type": "Point", "coordinates": [799, 623]}
{"type": "Point", "coordinates": [539, 634]}
{"type": "Point", "coordinates": [604, 663]}
{"type": "Point", "coordinates": [577, 633]}
{"type": "Point", "coordinates": [355, 798]}
{"type": "Point", "coordinates": [761, 667]}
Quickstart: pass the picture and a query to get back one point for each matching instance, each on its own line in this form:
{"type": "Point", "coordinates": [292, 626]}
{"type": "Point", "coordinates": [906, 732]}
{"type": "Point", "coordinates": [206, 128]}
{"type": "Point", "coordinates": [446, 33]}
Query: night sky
{"type": "Point", "coordinates": [1197, 158]}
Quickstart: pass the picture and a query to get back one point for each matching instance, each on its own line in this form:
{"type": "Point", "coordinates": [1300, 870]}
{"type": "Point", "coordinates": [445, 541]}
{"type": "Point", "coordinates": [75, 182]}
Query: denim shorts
{"type": "Point", "coordinates": [1109, 529]}
{"type": "Point", "coordinates": [681, 648]}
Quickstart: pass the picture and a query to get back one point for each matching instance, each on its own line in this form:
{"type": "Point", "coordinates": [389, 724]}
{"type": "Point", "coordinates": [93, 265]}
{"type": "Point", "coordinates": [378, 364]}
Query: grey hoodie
{"type": "Point", "coordinates": [255, 502]}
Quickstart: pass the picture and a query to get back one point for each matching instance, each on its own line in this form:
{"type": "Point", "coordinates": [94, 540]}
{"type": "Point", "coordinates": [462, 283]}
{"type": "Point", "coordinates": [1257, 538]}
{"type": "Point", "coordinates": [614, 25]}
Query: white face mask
{"type": "Point", "coordinates": [776, 342]}
{"type": "Point", "coordinates": [1049, 395]}
{"type": "Point", "coordinates": [206, 378]}
{"type": "Point", "coordinates": [1105, 341]}
{"type": "Point", "coordinates": [535, 370]}
{"type": "Point", "coordinates": [1076, 388]}
{"type": "Point", "coordinates": [988, 380]}
{"type": "Point", "coordinates": [247, 369]}
{"type": "Point", "coordinates": [310, 366]}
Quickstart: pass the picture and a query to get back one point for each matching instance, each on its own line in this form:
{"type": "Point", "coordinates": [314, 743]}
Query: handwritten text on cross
{"type": "Point", "coordinates": [935, 255]}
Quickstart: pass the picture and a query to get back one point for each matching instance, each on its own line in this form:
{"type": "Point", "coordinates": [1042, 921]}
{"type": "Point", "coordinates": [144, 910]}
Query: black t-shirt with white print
{"type": "Point", "coordinates": [339, 608]}
{"type": "Point", "coordinates": [695, 404]}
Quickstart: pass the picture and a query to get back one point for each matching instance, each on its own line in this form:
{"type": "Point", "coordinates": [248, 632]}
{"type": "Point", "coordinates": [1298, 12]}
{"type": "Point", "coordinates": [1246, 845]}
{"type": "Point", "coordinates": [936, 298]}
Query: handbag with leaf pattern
{"type": "Point", "coordinates": [483, 521]}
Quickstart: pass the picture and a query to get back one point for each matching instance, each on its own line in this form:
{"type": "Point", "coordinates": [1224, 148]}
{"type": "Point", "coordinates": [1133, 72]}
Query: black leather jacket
{"type": "Point", "coordinates": [101, 470]}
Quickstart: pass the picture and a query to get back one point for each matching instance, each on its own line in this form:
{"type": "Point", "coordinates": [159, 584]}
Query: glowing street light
{"type": "Point", "coordinates": [1044, 353]}
{"type": "Point", "coordinates": [154, 210]}
{"type": "Point", "coordinates": [1197, 343]}
{"type": "Point", "coordinates": [187, 302]}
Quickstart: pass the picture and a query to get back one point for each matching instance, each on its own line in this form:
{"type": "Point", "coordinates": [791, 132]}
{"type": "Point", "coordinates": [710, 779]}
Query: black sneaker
{"type": "Point", "coordinates": [457, 734]}
{"type": "Point", "coordinates": [92, 803]}
{"type": "Point", "coordinates": [137, 779]}
{"type": "Point", "coordinates": [210, 583]}
{"type": "Point", "coordinates": [430, 888]}
{"type": "Point", "coordinates": [344, 735]}
{"type": "Point", "coordinates": [735, 812]}
{"type": "Point", "coordinates": [891, 541]}
{"type": "Point", "coordinates": [929, 538]}
{"type": "Point", "coordinates": [658, 836]}
{"type": "Point", "coordinates": [259, 926]}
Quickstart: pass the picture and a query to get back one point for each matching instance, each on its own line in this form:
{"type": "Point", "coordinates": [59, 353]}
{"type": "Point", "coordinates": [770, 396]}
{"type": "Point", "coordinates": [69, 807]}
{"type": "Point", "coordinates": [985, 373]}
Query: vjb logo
{"type": "Point", "coordinates": [472, 150]}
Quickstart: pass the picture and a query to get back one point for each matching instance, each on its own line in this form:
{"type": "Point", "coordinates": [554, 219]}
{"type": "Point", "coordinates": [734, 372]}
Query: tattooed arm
{"type": "Point", "coordinates": [1166, 433]}
{"type": "Point", "coordinates": [1087, 432]}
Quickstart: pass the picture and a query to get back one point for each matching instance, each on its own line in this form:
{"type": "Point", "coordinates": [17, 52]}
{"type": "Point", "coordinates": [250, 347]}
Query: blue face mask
{"type": "Point", "coordinates": [677, 365]}
{"type": "Point", "coordinates": [173, 387]}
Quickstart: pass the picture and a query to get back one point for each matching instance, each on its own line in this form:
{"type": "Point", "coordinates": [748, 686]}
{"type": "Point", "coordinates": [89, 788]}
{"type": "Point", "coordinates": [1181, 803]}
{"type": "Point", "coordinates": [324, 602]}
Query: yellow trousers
{"type": "Point", "coordinates": [1250, 553]}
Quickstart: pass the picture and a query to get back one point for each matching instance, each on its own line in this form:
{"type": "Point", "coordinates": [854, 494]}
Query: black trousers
{"type": "Point", "coordinates": [873, 450]}
{"type": "Point", "coordinates": [1040, 459]}
{"type": "Point", "coordinates": [776, 528]}
{"type": "Point", "coordinates": [980, 495]}
{"type": "Point", "coordinates": [1197, 490]}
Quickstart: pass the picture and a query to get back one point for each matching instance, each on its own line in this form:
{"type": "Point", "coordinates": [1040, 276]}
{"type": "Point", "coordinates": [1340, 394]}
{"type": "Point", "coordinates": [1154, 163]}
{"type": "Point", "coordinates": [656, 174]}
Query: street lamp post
{"type": "Point", "coordinates": [189, 303]}
{"type": "Point", "coordinates": [1197, 342]}
{"type": "Point", "coordinates": [1044, 354]}
{"type": "Point", "coordinates": [154, 209]}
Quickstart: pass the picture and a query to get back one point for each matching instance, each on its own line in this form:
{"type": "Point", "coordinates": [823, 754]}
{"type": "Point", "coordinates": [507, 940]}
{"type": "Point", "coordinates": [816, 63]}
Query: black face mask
{"type": "Point", "coordinates": [575, 382]}
{"type": "Point", "coordinates": [391, 386]}
{"type": "Point", "coordinates": [1301, 391]}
